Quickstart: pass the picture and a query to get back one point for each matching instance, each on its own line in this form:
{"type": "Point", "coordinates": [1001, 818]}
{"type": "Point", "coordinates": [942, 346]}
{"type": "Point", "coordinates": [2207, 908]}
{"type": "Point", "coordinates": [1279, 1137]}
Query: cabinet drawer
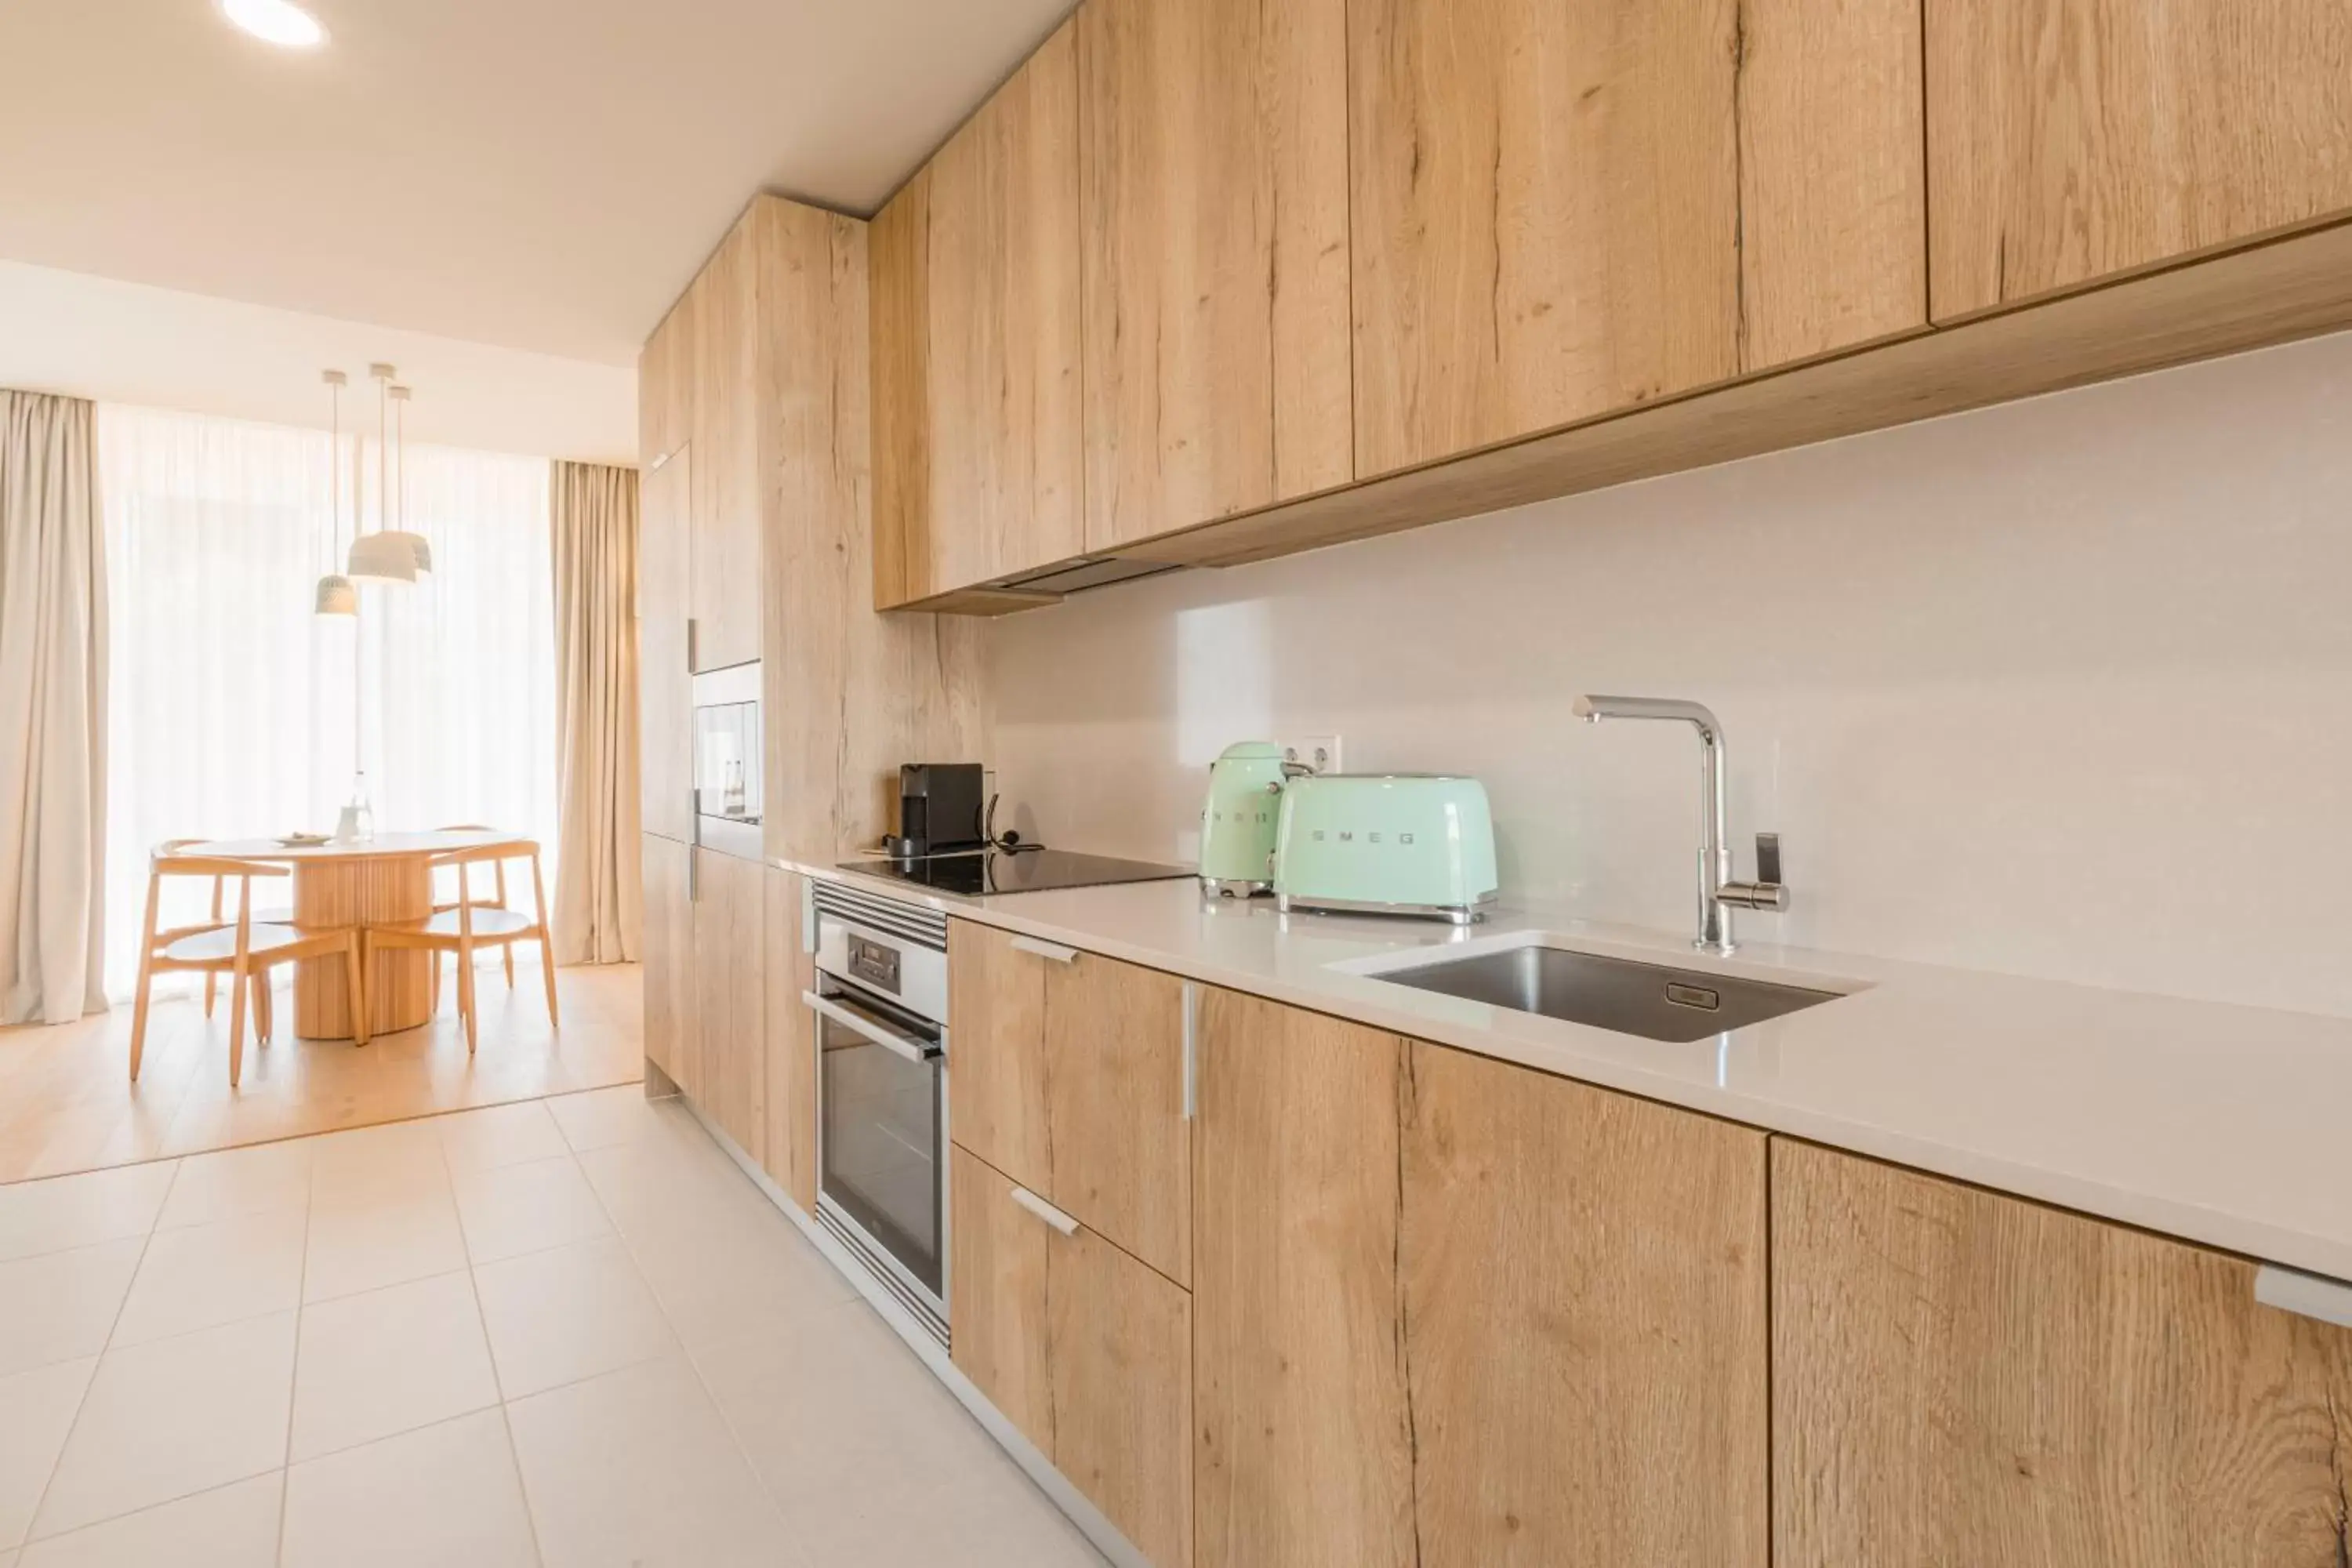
{"type": "Point", "coordinates": [1067, 1072]}
{"type": "Point", "coordinates": [1086, 1350]}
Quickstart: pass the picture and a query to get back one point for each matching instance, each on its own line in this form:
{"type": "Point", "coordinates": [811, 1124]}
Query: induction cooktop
{"type": "Point", "coordinates": [974, 873]}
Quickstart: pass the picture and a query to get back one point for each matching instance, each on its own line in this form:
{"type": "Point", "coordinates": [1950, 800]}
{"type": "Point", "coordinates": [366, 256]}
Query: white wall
{"type": "Point", "coordinates": [2061, 689]}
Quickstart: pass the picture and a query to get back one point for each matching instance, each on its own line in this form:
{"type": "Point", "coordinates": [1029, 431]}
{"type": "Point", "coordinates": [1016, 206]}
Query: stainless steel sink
{"type": "Point", "coordinates": [1651, 1000]}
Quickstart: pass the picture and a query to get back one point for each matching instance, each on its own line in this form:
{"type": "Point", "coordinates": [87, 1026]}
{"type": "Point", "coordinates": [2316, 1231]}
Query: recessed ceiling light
{"type": "Point", "coordinates": [278, 22]}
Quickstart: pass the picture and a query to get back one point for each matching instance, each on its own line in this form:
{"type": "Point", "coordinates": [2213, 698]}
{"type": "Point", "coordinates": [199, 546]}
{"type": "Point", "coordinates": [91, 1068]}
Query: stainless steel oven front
{"type": "Point", "coordinates": [880, 1009]}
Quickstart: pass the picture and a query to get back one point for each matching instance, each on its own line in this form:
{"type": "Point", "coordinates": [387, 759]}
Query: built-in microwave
{"type": "Point", "coordinates": [727, 753]}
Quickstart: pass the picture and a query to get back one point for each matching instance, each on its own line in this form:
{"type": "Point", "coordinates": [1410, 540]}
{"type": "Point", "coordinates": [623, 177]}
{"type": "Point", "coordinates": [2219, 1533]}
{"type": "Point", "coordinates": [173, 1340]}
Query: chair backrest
{"type": "Point", "coordinates": [170, 863]}
{"type": "Point", "coordinates": [474, 854]}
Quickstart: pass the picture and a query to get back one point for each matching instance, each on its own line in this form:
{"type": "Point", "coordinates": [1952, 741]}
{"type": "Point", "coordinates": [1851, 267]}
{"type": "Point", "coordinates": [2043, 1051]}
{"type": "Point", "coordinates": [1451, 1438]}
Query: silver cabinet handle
{"type": "Point", "coordinates": [1044, 1211]}
{"type": "Point", "coordinates": [2305, 1295]}
{"type": "Point", "coordinates": [1035, 949]}
{"type": "Point", "coordinates": [913, 1048]}
{"type": "Point", "coordinates": [1192, 1051]}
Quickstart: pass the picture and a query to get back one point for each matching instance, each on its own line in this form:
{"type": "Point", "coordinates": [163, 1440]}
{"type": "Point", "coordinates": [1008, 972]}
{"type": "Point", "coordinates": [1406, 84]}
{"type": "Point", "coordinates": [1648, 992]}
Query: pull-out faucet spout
{"type": "Point", "coordinates": [1718, 894]}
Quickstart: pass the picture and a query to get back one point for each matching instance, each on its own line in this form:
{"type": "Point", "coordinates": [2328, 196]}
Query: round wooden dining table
{"type": "Point", "coordinates": [381, 879]}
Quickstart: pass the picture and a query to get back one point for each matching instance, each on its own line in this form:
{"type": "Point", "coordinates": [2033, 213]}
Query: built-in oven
{"type": "Point", "coordinates": [880, 1010]}
{"type": "Point", "coordinates": [727, 787]}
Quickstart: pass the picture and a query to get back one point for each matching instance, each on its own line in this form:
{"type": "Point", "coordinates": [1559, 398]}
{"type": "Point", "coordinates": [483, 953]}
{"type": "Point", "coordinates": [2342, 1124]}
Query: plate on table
{"type": "Point", "coordinates": [302, 840]}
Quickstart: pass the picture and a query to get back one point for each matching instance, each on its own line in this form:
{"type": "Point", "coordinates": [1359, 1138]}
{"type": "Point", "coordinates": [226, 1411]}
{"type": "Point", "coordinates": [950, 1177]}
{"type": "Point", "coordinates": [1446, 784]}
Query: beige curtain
{"type": "Point", "coordinates": [599, 898]}
{"type": "Point", "coordinates": [52, 711]}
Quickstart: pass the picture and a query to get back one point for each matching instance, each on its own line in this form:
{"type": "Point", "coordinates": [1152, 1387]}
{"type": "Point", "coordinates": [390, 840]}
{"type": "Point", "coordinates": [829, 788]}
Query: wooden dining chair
{"type": "Point", "coordinates": [260, 917]}
{"type": "Point", "coordinates": [466, 926]}
{"type": "Point", "coordinates": [244, 950]}
{"type": "Point", "coordinates": [466, 892]}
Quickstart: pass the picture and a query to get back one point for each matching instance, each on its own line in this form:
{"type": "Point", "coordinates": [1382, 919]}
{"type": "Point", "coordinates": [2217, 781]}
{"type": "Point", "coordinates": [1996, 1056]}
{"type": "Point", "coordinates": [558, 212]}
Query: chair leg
{"type": "Point", "coordinates": [212, 980]}
{"type": "Point", "coordinates": [358, 985]}
{"type": "Point", "coordinates": [236, 1002]}
{"type": "Point", "coordinates": [432, 982]}
{"type": "Point", "coordinates": [508, 954]}
{"type": "Point", "coordinates": [547, 973]}
{"type": "Point", "coordinates": [467, 997]}
{"type": "Point", "coordinates": [139, 1018]}
{"type": "Point", "coordinates": [264, 1022]}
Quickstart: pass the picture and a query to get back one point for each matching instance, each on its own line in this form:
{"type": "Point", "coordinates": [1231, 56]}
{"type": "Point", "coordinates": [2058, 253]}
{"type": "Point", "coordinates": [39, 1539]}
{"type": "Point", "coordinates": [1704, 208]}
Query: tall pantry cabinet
{"type": "Point", "coordinates": [757, 544]}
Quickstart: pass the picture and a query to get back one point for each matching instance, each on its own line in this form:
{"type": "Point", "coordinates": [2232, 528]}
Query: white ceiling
{"type": "Point", "coordinates": [542, 175]}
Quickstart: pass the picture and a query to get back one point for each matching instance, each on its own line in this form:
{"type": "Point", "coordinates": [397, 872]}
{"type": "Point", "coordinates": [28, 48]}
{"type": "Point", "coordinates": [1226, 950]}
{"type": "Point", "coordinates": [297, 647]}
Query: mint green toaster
{"type": "Point", "coordinates": [1396, 844]}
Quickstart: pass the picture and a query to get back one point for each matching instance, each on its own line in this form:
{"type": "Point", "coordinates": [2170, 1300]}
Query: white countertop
{"type": "Point", "coordinates": [2226, 1125]}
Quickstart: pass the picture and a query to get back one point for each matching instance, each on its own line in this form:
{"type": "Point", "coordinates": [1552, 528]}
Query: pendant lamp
{"type": "Point", "coordinates": [387, 555]}
{"type": "Point", "coordinates": [336, 596]}
{"type": "Point", "coordinates": [419, 551]}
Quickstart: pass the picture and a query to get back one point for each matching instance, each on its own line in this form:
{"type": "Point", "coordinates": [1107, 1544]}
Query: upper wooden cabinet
{"type": "Point", "coordinates": [1214, 202]}
{"type": "Point", "coordinates": [1960, 1377]}
{"type": "Point", "coordinates": [1567, 207]}
{"type": "Point", "coordinates": [666, 386]}
{"type": "Point", "coordinates": [728, 502]}
{"type": "Point", "coordinates": [1069, 1077]}
{"type": "Point", "coordinates": [1448, 1310]}
{"type": "Point", "coordinates": [976, 327]}
{"type": "Point", "coordinates": [2072, 139]}
{"type": "Point", "coordinates": [1833, 182]}
{"type": "Point", "coordinates": [1545, 214]}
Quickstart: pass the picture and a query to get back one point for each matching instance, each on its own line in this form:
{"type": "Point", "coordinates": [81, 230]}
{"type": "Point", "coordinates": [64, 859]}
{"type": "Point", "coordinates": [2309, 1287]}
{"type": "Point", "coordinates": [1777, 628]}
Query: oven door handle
{"type": "Point", "coordinates": [914, 1048]}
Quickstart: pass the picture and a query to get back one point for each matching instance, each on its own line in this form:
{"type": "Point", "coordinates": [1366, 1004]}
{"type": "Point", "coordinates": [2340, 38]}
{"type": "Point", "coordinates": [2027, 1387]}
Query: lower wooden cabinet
{"type": "Point", "coordinates": [1069, 1077]}
{"type": "Point", "coordinates": [1453, 1311]}
{"type": "Point", "coordinates": [673, 1030]}
{"type": "Point", "coordinates": [1965, 1378]}
{"type": "Point", "coordinates": [1085, 1349]}
{"type": "Point", "coordinates": [789, 1156]}
{"type": "Point", "coordinates": [731, 990]}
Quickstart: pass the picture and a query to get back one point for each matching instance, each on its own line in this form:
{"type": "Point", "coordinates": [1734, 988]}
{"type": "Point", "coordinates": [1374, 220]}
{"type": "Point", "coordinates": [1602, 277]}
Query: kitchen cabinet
{"type": "Point", "coordinates": [975, 321]}
{"type": "Point", "coordinates": [664, 684]}
{"type": "Point", "coordinates": [666, 386]}
{"type": "Point", "coordinates": [1832, 178]}
{"type": "Point", "coordinates": [727, 499]}
{"type": "Point", "coordinates": [1084, 1348]}
{"type": "Point", "coordinates": [790, 1155]}
{"type": "Point", "coordinates": [731, 991]}
{"type": "Point", "coordinates": [1069, 1077]}
{"type": "Point", "coordinates": [1304, 1450]}
{"type": "Point", "coordinates": [1451, 1310]}
{"type": "Point", "coordinates": [1545, 214]}
{"type": "Point", "coordinates": [2069, 141]}
{"type": "Point", "coordinates": [1963, 1377]}
{"type": "Point", "coordinates": [1213, 227]}
{"type": "Point", "coordinates": [672, 1029]}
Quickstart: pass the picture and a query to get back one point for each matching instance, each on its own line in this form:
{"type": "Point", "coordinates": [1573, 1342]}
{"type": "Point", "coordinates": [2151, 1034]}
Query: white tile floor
{"type": "Point", "coordinates": [564, 1331]}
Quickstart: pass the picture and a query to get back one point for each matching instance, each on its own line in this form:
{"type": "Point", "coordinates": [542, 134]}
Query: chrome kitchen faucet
{"type": "Point", "coordinates": [1719, 895]}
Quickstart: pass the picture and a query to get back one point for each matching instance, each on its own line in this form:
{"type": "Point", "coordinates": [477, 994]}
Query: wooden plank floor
{"type": "Point", "coordinates": [67, 1102]}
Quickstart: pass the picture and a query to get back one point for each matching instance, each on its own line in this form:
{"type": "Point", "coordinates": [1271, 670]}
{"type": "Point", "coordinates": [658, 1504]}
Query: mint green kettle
{"type": "Point", "coordinates": [1237, 824]}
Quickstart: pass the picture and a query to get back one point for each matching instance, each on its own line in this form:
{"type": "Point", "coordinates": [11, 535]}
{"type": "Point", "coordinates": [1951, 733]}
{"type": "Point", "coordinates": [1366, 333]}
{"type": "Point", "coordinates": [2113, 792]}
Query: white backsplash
{"type": "Point", "coordinates": [2062, 689]}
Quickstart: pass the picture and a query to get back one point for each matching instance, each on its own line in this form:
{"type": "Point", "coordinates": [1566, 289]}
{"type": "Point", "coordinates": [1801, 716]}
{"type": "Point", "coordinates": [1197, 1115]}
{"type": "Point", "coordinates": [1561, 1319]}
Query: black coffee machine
{"type": "Point", "coordinates": [942, 807]}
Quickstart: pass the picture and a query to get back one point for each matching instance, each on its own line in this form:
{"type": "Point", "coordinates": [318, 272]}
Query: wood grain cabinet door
{"type": "Point", "coordinates": [1086, 1350]}
{"type": "Point", "coordinates": [1584, 1298]}
{"type": "Point", "coordinates": [1067, 1073]}
{"type": "Point", "coordinates": [2072, 139]}
{"type": "Point", "coordinates": [1545, 214]}
{"type": "Point", "coordinates": [664, 684]}
{"type": "Point", "coordinates": [976, 313]}
{"type": "Point", "coordinates": [790, 1154]}
{"type": "Point", "coordinates": [729, 944]}
{"type": "Point", "coordinates": [728, 504]}
{"type": "Point", "coordinates": [1214, 202]}
{"type": "Point", "coordinates": [1303, 1445]}
{"type": "Point", "coordinates": [672, 1032]}
{"type": "Point", "coordinates": [1964, 1378]}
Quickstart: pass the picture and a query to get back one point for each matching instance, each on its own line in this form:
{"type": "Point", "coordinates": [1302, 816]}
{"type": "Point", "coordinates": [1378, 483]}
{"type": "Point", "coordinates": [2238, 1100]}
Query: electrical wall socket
{"type": "Point", "coordinates": [1320, 753]}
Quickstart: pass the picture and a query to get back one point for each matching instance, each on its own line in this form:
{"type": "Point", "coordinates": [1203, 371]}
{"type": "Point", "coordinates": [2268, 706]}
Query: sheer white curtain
{"type": "Point", "coordinates": [233, 707]}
